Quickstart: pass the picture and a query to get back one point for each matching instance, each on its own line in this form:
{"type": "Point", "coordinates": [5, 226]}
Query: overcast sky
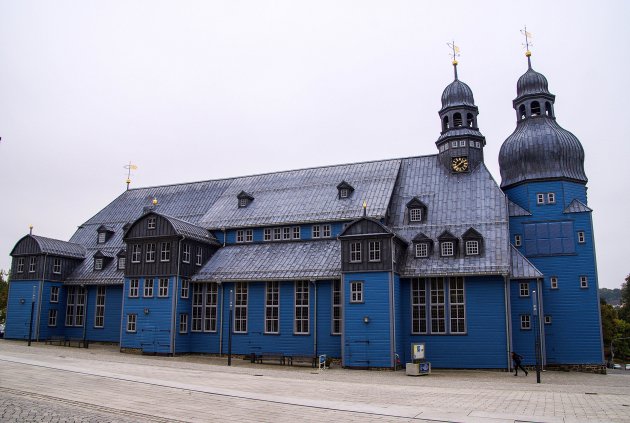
{"type": "Point", "coordinates": [197, 90]}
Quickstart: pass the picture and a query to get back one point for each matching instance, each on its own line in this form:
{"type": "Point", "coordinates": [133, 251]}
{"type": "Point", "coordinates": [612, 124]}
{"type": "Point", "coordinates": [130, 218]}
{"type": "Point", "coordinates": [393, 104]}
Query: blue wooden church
{"type": "Point", "coordinates": [355, 261]}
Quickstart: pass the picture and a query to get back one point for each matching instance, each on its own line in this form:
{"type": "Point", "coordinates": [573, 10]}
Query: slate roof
{"type": "Point", "coordinates": [189, 230]}
{"type": "Point", "coordinates": [455, 202]}
{"type": "Point", "coordinates": [516, 210]}
{"type": "Point", "coordinates": [57, 247]}
{"type": "Point", "coordinates": [521, 267]}
{"type": "Point", "coordinates": [577, 206]}
{"type": "Point", "coordinates": [274, 261]}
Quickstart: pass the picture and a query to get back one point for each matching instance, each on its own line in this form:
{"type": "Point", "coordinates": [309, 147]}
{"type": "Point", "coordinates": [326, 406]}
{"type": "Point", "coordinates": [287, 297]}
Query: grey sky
{"type": "Point", "coordinates": [196, 90]}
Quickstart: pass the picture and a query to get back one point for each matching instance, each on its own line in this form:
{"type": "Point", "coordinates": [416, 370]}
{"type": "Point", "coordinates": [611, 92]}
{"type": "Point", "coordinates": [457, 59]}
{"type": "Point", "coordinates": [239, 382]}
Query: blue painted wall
{"type": "Point", "coordinates": [327, 343]}
{"type": "Point", "coordinates": [18, 314]}
{"type": "Point", "coordinates": [485, 343]}
{"type": "Point", "coordinates": [367, 345]}
{"type": "Point", "coordinates": [398, 312]}
{"type": "Point", "coordinates": [523, 339]}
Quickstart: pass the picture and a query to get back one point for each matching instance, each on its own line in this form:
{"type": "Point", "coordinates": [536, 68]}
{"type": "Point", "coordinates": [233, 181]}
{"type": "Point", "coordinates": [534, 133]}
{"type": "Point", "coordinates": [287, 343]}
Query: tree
{"type": "Point", "coordinates": [4, 295]}
{"type": "Point", "coordinates": [609, 315]}
{"type": "Point", "coordinates": [624, 311]}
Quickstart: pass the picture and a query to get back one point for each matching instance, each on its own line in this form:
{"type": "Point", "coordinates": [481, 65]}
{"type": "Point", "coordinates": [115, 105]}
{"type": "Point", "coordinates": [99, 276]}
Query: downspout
{"type": "Point", "coordinates": [315, 319]}
{"type": "Point", "coordinates": [508, 320]}
{"type": "Point", "coordinates": [40, 296]}
{"type": "Point", "coordinates": [222, 306]}
{"type": "Point", "coordinates": [392, 312]}
{"type": "Point", "coordinates": [224, 236]}
{"type": "Point", "coordinates": [175, 296]}
{"type": "Point", "coordinates": [541, 323]}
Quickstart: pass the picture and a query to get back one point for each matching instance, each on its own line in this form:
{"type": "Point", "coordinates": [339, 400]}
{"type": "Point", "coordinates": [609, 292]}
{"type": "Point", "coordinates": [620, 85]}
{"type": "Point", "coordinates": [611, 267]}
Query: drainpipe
{"type": "Point", "coordinates": [221, 327]}
{"type": "Point", "coordinates": [508, 320]}
{"type": "Point", "coordinates": [40, 298]}
{"type": "Point", "coordinates": [315, 318]}
{"type": "Point", "coordinates": [175, 296]}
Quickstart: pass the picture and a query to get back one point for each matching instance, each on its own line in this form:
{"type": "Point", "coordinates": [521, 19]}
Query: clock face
{"type": "Point", "coordinates": [459, 164]}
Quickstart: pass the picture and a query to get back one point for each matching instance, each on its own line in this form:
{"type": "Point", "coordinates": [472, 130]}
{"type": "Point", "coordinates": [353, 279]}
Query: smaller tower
{"type": "Point", "coordinates": [460, 144]}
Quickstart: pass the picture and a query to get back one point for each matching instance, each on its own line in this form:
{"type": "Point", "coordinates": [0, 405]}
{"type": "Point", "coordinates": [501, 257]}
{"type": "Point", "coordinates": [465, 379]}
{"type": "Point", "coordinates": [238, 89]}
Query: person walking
{"type": "Point", "coordinates": [517, 363]}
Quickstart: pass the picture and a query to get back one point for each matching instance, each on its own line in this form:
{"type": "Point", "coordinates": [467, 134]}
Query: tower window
{"type": "Point", "coordinates": [551, 198]}
{"type": "Point", "coordinates": [554, 282]}
{"type": "Point", "coordinates": [540, 198]}
{"type": "Point", "coordinates": [581, 237]}
{"type": "Point", "coordinates": [469, 120]}
{"type": "Point", "coordinates": [548, 111]}
{"type": "Point", "coordinates": [583, 282]}
{"type": "Point", "coordinates": [535, 108]}
{"type": "Point", "coordinates": [517, 241]}
{"type": "Point", "coordinates": [457, 120]}
{"type": "Point", "coordinates": [526, 322]}
{"type": "Point", "coordinates": [445, 123]}
{"type": "Point", "coordinates": [547, 319]}
{"type": "Point", "coordinates": [524, 289]}
{"type": "Point", "coordinates": [477, 144]}
{"type": "Point", "coordinates": [521, 111]}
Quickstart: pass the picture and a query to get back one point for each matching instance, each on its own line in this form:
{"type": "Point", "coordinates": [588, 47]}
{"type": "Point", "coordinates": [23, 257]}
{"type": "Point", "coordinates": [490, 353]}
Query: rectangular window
{"type": "Point", "coordinates": [240, 235]}
{"type": "Point", "coordinates": [472, 248]}
{"type": "Point", "coordinates": [301, 307]}
{"type": "Point", "coordinates": [101, 237]}
{"type": "Point", "coordinates": [199, 259]}
{"type": "Point", "coordinates": [581, 237]}
{"type": "Point", "coordinates": [343, 193]}
{"type": "Point", "coordinates": [79, 316]}
{"type": "Point", "coordinates": [75, 306]}
{"type": "Point", "coordinates": [165, 251]}
{"type": "Point", "coordinates": [242, 202]}
{"type": "Point", "coordinates": [523, 289]}
{"type": "Point", "coordinates": [54, 294]}
{"type": "Point", "coordinates": [583, 282]}
{"type": "Point", "coordinates": [56, 266]}
{"type": "Point", "coordinates": [131, 322]}
{"type": "Point", "coordinates": [186, 253]}
{"type": "Point", "coordinates": [197, 306]}
{"type": "Point", "coordinates": [70, 305]}
{"type": "Point", "coordinates": [438, 307]}
{"type": "Point", "coordinates": [454, 144]}
{"type": "Point", "coordinates": [325, 231]}
{"type": "Point", "coordinates": [136, 251]}
{"type": "Point", "coordinates": [418, 306]}
{"type": "Point", "coordinates": [272, 307]}
{"type": "Point", "coordinates": [415, 215]}
{"type": "Point", "coordinates": [150, 255]}
{"type": "Point", "coordinates": [286, 233]}
{"type": "Point", "coordinates": [554, 282]}
{"type": "Point", "coordinates": [477, 144]}
{"type": "Point", "coordinates": [277, 234]}
{"type": "Point", "coordinates": [148, 288]}
{"type": "Point", "coordinates": [315, 231]}
{"type": "Point", "coordinates": [296, 232]}
{"type": "Point", "coordinates": [183, 323]}
{"type": "Point", "coordinates": [462, 143]}
{"type": "Point", "coordinates": [20, 265]}
{"type": "Point", "coordinates": [548, 320]}
{"type": "Point", "coordinates": [374, 251]}
{"type": "Point", "coordinates": [99, 312]}
{"type": "Point", "coordinates": [122, 262]}
{"type": "Point", "coordinates": [526, 322]}
{"type": "Point", "coordinates": [185, 288]}
{"type": "Point", "coordinates": [133, 288]}
{"type": "Point", "coordinates": [210, 307]}
{"type": "Point", "coordinates": [31, 264]}
{"type": "Point", "coordinates": [151, 223]}
{"type": "Point", "coordinates": [267, 234]}
{"type": "Point", "coordinates": [240, 307]}
{"type": "Point", "coordinates": [356, 292]}
{"type": "Point", "coordinates": [551, 198]}
{"type": "Point", "coordinates": [422, 249]}
{"type": "Point", "coordinates": [447, 248]}
{"type": "Point", "coordinates": [457, 305]}
{"type": "Point", "coordinates": [52, 317]}
{"type": "Point", "coordinates": [336, 307]}
{"type": "Point", "coordinates": [163, 288]}
{"type": "Point", "coordinates": [355, 252]}
{"type": "Point", "coordinates": [517, 241]}
{"type": "Point", "coordinates": [98, 264]}
{"type": "Point", "coordinates": [540, 198]}
{"type": "Point", "coordinates": [249, 235]}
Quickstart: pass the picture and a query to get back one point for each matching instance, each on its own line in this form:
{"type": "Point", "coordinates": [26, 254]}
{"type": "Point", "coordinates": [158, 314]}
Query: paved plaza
{"type": "Point", "coordinates": [45, 383]}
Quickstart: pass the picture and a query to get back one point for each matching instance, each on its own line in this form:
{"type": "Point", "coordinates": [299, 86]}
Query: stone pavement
{"type": "Point", "coordinates": [53, 384]}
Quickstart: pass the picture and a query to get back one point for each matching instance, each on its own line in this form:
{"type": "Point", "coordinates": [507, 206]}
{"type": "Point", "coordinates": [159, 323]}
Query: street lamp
{"type": "Point", "coordinates": [536, 334]}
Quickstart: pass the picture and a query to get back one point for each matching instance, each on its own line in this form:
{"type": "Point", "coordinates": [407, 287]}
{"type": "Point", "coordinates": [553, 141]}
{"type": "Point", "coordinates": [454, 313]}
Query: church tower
{"type": "Point", "coordinates": [460, 144]}
{"type": "Point", "coordinates": [542, 174]}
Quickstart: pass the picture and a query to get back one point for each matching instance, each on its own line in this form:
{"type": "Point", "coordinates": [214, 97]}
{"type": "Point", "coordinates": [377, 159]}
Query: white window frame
{"type": "Point", "coordinates": [356, 292]}
{"type": "Point", "coordinates": [438, 305]}
{"type": "Point", "coordinates": [583, 281]}
{"type": "Point", "coordinates": [98, 264]}
{"type": "Point", "coordinates": [296, 232]}
{"type": "Point", "coordinates": [75, 306]}
{"type": "Point", "coordinates": [447, 248]}
{"type": "Point", "coordinates": [211, 301]}
{"type": "Point", "coordinates": [136, 253]}
{"type": "Point", "coordinates": [551, 198]}
{"type": "Point", "coordinates": [472, 247]}
{"type": "Point", "coordinates": [526, 322]}
{"type": "Point", "coordinates": [240, 236]}
{"type": "Point", "coordinates": [134, 288]}
{"type": "Point", "coordinates": [286, 233]}
{"type": "Point", "coordinates": [151, 222]}
{"type": "Point", "coordinates": [454, 144]}
{"type": "Point", "coordinates": [518, 240]}
{"type": "Point", "coordinates": [267, 234]}
{"type": "Point", "coordinates": [415, 214]}
{"type": "Point", "coordinates": [185, 289]}
{"type": "Point", "coordinates": [272, 307]}
{"type": "Point", "coordinates": [147, 288]}
{"type": "Point", "coordinates": [56, 269]}
{"type": "Point", "coordinates": [198, 296]}
{"type": "Point", "coordinates": [199, 259]}
{"type": "Point", "coordinates": [122, 263]}
{"type": "Point", "coordinates": [277, 234]}
{"type": "Point", "coordinates": [477, 144]}
{"type": "Point", "coordinates": [150, 252]}
{"type": "Point", "coordinates": [165, 251]}
{"type": "Point", "coordinates": [374, 251]}
{"type": "Point", "coordinates": [581, 236]}
{"type": "Point", "coordinates": [336, 307]}
{"type": "Point", "coordinates": [99, 310]}
{"type": "Point", "coordinates": [54, 294]}
{"type": "Point", "coordinates": [523, 289]}
{"type": "Point", "coordinates": [457, 305]}
{"type": "Point", "coordinates": [101, 238]}
{"type": "Point", "coordinates": [241, 291]}
{"type": "Point", "coordinates": [462, 143]}
{"type": "Point", "coordinates": [242, 202]}
{"type": "Point", "coordinates": [355, 252]}
{"type": "Point", "coordinates": [540, 198]}
{"type": "Point", "coordinates": [419, 319]}
{"type": "Point", "coordinates": [132, 320]}
{"type": "Point", "coordinates": [32, 264]}
{"type": "Point", "coordinates": [553, 282]}
{"type": "Point", "coordinates": [186, 253]}
{"type": "Point", "coordinates": [344, 193]}
{"type": "Point", "coordinates": [422, 250]}
{"type": "Point", "coordinates": [163, 287]}
{"type": "Point", "coordinates": [548, 319]}
{"type": "Point", "coordinates": [315, 231]}
{"type": "Point", "coordinates": [20, 265]}
{"type": "Point", "coordinates": [301, 316]}
{"type": "Point", "coordinates": [183, 323]}
{"type": "Point", "coordinates": [52, 317]}
{"type": "Point", "coordinates": [249, 235]}
{"type": "Point", "coordinates": [326, 232]}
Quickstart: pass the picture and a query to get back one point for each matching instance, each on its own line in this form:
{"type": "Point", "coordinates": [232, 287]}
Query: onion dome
{"type": "Point", "coordinates": [539, 148]}
{"type": "Point", "coordinates": [457, 94]}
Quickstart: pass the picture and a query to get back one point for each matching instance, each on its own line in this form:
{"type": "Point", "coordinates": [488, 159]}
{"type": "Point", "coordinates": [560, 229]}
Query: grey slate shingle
{"type": "Point", "coordinates": [577, 206]}
{"type": "Point", "coordinates": [60, 248]}
{"type": "Point", "coordinates": [521, 267]}
{"type": "Point", "coordinates": [516, 210]}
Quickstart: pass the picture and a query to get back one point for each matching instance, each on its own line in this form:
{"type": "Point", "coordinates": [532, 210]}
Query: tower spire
{"type": "Point", "coordinates": [454, 55]}
{"type": "Point", "coordinates": [528, 42]}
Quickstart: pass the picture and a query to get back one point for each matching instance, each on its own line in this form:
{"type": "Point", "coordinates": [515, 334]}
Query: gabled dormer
{"type": "Point", "coordinates": [473, 243]}
{"type": "Point", "coordinates": [416, 212]}
{"type": "Point", "coordinates": [101, 260]}
{"type": "Point", "coordinates": [121, 258]}
{"type": "Point", "coordinates": [422, 246]}
{"type": "Point", "coordinates": [344, 190]}
{"type": "Point", "coordinates": [244, 199]}
{"type": "Point", "coordinates": [104, 233]}
{"type": "Point", "coordinates": [449, 244]}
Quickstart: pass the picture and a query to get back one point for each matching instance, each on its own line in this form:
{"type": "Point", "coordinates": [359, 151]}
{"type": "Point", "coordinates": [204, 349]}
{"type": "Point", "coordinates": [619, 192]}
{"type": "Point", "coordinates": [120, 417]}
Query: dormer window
{"type": "Point", "coordinates": [423, 246]}
{"type": "Point", "coordinates": [104, 233]}
{"type": "Point", "coordinates": [345, 190]}
{"type": "Point", "coordinates": [473, 242]}
{"type": "Point", "coordinates": [102, 237]}
{"type": "Point", "coordinates": [416, 211]}
{"type": "Point", "coordinates": [244, 199]}
{"type": "Point", "coordinates": [122, 259]}
{"type": "Point", "coordinates": [101, 260]}
{"type": "Point", "coordinates": [448, 244]}
{"type": "Point", "coordinates": [98, 264]}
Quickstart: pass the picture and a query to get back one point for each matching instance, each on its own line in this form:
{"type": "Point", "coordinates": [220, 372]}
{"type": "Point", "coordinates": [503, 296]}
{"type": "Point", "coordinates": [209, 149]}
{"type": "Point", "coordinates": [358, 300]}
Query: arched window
{"type": "Point", "coordinates": [469, 120]}
{"type": "Point", "coordinates": [457, 120]}
{"type": "Point", "coordinates": [521, 111]}
{"type": "Point", "coordinates": [445, 123]}
{"type": "Point", "coordinates": [548, 111]}
{"type": "Point", "coordinates": [535, 108]}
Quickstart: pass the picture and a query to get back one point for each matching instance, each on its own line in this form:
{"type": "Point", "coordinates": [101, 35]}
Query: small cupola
{"type": "Point", "coordinates": [344, 190]}
{"type": "Point", "coordinates": [244, 199]}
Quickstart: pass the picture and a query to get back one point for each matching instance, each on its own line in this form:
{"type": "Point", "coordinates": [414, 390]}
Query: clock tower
{"type": "Point", "coordinates": [460, 144]}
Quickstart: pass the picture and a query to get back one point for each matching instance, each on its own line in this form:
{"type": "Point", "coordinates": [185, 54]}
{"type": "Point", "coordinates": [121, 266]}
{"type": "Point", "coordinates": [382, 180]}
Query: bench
{"type": "Point", "coordinates": [302, 359]}
{"type": "Point", "coordinates": [78, 342]}
{"type": "Point", "coordinates": [275, 357]}
{"type": "Point", "coordinates": [57, 340]}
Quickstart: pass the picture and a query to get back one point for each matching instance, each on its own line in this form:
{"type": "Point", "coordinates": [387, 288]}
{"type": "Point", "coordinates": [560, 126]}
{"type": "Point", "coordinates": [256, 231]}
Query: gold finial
{"type": "Point", "coordinates": [30, 229]}
{"type": "Point", "coordinates": [129, 168]}
{"type": "Point", "coordinates": [364, 207]}
{"type": "Point", "coordinates": [528, 43]}
{"type": "Point", "coordinates": [454, 55]}
{"type": "Point", "coordinates": [154, 202]}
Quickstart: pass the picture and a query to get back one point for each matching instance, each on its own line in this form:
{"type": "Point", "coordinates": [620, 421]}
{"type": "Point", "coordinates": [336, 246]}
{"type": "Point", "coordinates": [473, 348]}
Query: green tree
{"type": "Point", "coordinates": [4, 294]}
{"type": "Point", "coordinates": [624, 311]}
{"type": "Point", "coordinates": [609, 328]}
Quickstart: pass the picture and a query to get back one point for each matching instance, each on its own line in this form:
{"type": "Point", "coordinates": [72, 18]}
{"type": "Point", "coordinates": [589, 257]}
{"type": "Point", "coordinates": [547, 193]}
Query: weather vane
{"type": "Point", "coordinates": [129, 168]}
{"type": "Point", "coordinates": [528, 43]}
{"type": "Point", "coordinates": [454, 54]}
